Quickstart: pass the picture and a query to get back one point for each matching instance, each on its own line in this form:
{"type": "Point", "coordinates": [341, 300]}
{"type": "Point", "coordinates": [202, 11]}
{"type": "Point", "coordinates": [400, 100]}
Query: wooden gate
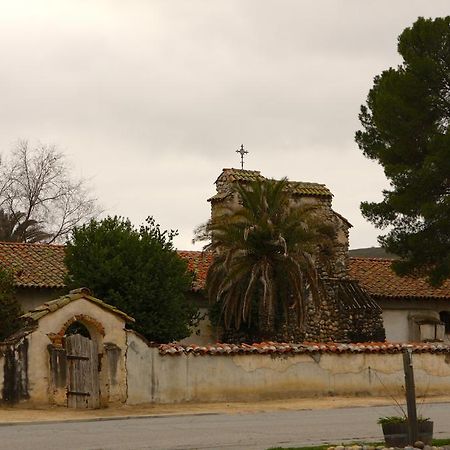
{"type": "Point", "coordinates": [83, 389]}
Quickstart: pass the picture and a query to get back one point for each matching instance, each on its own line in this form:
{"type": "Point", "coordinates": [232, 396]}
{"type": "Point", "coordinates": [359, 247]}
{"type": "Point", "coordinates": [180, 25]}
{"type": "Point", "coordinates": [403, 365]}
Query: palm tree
{"type": "Point", "coordinates": [15, 227]}
{"type": "Point", "coordinates": [264, 257]}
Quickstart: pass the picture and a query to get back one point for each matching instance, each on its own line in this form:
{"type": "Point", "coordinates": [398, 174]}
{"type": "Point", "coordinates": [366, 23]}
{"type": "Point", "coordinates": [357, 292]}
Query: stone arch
{"type": "Point", "coordinates": [95, 328]}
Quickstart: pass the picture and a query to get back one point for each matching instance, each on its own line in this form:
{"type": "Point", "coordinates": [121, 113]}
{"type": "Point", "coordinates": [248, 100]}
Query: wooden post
{"type": "Point", "coordinates": [410, 395]}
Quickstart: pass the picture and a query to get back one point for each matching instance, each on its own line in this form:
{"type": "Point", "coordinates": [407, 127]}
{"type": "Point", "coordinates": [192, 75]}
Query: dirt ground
{"type": "Point", "coordinates": [20, 414]}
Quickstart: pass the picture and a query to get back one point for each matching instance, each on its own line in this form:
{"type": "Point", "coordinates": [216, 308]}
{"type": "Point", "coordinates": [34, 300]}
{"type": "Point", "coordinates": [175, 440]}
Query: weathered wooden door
{"type": "Point", "coordinates": [83, 390]}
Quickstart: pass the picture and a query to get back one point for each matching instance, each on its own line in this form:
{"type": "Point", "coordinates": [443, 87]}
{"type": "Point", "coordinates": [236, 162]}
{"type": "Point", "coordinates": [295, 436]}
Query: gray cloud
{"type": "Point", "coordinates": [151, 99]}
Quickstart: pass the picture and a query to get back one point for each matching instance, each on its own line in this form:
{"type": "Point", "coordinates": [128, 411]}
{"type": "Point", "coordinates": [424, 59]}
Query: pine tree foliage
{"type": "Point", "coordinates": [136, 270]}
{"type": "Point", "coordinates": [406, 128]}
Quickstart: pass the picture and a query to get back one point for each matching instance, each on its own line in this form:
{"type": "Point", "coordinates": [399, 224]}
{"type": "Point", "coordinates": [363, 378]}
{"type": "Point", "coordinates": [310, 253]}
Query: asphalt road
{"type": "Point", "coordinates": [215, 431]}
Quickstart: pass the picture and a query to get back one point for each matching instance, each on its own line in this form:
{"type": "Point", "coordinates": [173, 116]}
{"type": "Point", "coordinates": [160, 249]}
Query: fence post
{"type": "Point", "coordinates": [410, 395]}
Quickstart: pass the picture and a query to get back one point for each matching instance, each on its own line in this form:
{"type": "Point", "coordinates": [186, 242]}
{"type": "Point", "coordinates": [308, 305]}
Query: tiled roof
{"type": "Point", "coordinates": [231, 175]}
{"type": "Point", "coordinates": [34, 265]}
{"type": "Point", "coordinates": [378, 278]}
{"type": "Point", "coordinates": [198, 263]}
{"type": "Point", "coordinates": [297, 187]}
{"type": "Point", "coordinates": [265, 348]}
{"type": "Point", "coordinates": [42, 265]}
{"type": "Point", "coordinates": [53, 305]}
{"type": "Point", "coordinates": [312, 189]}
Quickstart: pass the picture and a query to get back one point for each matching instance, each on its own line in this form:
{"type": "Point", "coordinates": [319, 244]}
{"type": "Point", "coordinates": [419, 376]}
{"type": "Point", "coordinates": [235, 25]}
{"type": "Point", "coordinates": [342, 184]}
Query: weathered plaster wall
{"type": "Point", "coordinates": [396, 325]}
{"type": "Point", "coordinates": [30, 298]}
{"type": "Point", "coordinates": [204, 333]}
{"type": "Point", "coordinates": [14, 373]}
{"type": "Point", "coordinates": [2, 366]}
{"type": "Point", "coordinates": [397, 315]}
{"type": "Point", "coordinates": [209, 378]}
{"type": "Point", "coordinates": [39, 370]}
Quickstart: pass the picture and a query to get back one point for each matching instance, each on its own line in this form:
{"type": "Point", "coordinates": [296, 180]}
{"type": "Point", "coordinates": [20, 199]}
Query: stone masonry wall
{"type": "Point", "coordinates": [331, 320]}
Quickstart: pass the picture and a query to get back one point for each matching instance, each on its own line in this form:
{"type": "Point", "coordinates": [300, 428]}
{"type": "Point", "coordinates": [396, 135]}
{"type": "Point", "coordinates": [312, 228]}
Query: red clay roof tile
{"type": "Point", "coordinates": [265, 348]}
{"type": "Point", "coordinates": [34, 265]}
{"type": "Point", "coordinates": [198, 263]}
{"type": "Point", "coordinates": [377, 277]}
{"type": "Point", "coordinates": [42, 265]}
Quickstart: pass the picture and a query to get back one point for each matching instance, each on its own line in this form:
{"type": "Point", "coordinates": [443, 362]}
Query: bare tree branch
{"type": "Point", "coordinates": [39, 197]}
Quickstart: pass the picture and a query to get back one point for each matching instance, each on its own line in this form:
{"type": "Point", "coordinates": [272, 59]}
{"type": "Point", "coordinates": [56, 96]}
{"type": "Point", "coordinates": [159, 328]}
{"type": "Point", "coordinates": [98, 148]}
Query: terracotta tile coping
{"type": "Point", "coordinates": [305, 347]}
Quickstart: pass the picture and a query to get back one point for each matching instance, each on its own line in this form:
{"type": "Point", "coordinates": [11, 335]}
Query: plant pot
{"type": "Point", "coordinates": [396, 434]}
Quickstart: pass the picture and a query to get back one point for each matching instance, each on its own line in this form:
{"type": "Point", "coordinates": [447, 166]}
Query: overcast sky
{"type": "Point", "coordinates": [150, 99]}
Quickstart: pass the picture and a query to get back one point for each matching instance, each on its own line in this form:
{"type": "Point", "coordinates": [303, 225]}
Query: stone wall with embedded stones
{"type": "Point", "coordinates": [330, 320]}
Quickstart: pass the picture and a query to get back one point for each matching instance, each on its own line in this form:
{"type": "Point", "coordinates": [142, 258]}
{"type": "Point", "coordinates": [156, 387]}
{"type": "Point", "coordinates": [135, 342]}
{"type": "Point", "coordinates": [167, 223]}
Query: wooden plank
{"type": "Point", "coordinates": [77, 357]}
{"type": "Point", "coordinates": [83, 390]}
{"type": "Point", "coordinates": [94, 399]}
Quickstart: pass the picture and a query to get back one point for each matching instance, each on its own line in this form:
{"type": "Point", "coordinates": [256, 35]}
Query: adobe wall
{"type": "Point", "coordinates": [190, 377]}
{"type": "Point", "coordinates": [112, 331]}
{"type": "Point", "coordinates": [397, 315]}
{"type": "Point", "coordinates": [2, 366]}
{"type": "Point", "coordinates": [30, 298]}
{"type": "Point", "coordinates": [14, 370]}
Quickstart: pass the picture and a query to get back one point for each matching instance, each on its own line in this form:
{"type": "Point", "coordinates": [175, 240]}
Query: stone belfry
{"type": "Point", "coordinates": [302, 194]}
{"type": "Point", "coordinates": [348, 313]}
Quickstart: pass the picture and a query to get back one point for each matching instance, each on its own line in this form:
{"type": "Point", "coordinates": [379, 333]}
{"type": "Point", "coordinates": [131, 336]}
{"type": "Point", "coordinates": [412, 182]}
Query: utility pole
{"type": "Point", "coordinates": [410, 395]}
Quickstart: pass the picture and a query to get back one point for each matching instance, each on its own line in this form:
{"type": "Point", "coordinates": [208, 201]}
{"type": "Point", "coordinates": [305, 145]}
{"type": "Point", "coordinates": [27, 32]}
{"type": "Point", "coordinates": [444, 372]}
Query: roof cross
{"type": "Point", "coordinates": [242, 152]}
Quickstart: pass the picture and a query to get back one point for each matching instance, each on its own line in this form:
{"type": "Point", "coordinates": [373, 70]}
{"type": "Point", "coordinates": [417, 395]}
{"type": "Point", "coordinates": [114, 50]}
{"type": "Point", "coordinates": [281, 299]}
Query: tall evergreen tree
{"type": "Point", "coordinates": [405, 125]}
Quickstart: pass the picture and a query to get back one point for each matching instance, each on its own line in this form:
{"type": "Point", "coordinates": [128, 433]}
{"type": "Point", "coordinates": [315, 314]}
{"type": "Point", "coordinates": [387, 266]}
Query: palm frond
{"type": "Point", "coordinates": [266, 254]}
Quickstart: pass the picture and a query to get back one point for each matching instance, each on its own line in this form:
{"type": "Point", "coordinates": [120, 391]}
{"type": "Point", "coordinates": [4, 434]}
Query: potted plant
{"type": "Point", "coordinates": [395, 430]}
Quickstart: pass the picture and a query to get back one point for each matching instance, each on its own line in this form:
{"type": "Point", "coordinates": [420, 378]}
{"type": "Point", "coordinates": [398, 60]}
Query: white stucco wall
{"type": "Point", "coordinates": [396, 325]}
{"type": "Point", "coordinates": [244, 377]}
{"type": "Point", "coordinates": [398, 318]}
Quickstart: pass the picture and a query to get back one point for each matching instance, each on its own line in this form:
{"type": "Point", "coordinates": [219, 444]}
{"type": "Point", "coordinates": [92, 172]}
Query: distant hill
{"type": "Point", "coordinates": [372, 252]}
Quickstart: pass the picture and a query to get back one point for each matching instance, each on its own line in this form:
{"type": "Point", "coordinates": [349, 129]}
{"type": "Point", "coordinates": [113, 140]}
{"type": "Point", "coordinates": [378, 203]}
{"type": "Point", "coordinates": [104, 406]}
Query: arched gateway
{"type": "Point", "coordinates": [72, 353]}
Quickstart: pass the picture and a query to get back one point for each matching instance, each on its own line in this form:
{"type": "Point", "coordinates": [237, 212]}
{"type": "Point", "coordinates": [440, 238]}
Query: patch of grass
{"type": "Point", "coordinates": [436, 443]}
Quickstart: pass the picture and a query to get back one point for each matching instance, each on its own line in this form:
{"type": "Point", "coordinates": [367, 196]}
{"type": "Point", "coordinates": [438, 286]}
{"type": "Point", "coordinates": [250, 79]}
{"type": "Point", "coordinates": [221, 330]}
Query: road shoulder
{"type": "Point", "coordinates": [21, 414]}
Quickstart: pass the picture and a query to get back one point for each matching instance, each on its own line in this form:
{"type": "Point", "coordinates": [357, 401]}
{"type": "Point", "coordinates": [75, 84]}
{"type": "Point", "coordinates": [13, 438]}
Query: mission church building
{"type": "Point", "coordinates": [363, 293]}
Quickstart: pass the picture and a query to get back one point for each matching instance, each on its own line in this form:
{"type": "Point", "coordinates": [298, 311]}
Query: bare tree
{"type": "Point", "coordinates": [39, 199]}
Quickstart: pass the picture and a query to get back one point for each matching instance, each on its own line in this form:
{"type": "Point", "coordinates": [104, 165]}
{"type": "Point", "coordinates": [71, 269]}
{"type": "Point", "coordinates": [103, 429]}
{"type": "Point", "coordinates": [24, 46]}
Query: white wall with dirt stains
{"type": "Point", "coordinates": [153, 378]}
{"type": "Point", "coordinates": [39, 375]}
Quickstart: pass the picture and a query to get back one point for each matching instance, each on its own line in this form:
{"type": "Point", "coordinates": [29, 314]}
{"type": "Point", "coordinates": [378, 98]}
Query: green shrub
{"type": "Point", "coordinates": [135, 269]}
{"type": "Point", "coordinates": [399, 419]}
{"type": "Point", "coordinates": [9, 306]}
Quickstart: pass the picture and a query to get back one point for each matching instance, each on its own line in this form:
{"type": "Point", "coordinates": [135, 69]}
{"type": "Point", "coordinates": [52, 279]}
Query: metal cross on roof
{"type": "Point", "coordinates": [242, 152]}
